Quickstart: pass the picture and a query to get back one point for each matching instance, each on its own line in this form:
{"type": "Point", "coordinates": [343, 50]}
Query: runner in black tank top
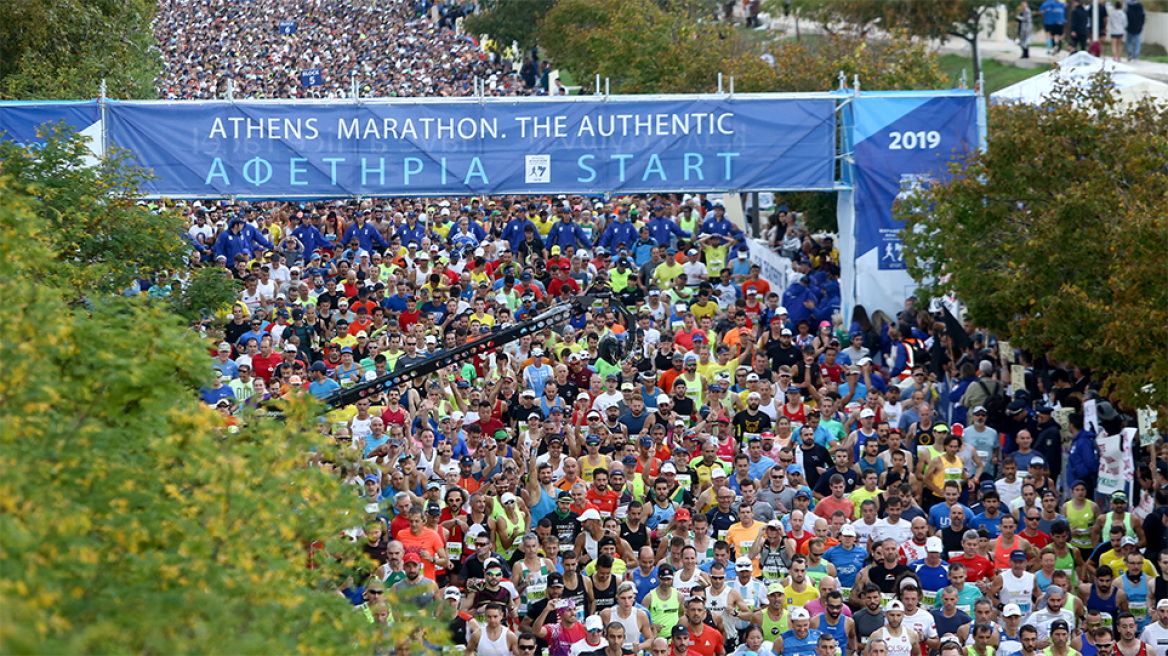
{"type": "Point", "coordinates": [576, 593]}
{"type": "Point", "coordinates": [636, 539]}
{"type": "Point", "coordinates": [605, 598]}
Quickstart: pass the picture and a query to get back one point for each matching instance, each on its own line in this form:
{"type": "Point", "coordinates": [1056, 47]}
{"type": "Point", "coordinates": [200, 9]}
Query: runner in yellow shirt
{"type": "Point", "coordinates": [667, 271]}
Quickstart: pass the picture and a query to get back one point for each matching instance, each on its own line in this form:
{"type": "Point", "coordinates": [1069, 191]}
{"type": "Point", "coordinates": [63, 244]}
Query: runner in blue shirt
{"type": "Point", "coordinates": [321, 385]}
{"type": "Point", "coordinates": [800, 639]}
{"type": "Point", "coordinates": [848, 559]}
{"type": "Point", "coordinates": [990, 518]}
{"type": "Point", "coordinates": [537, 374]}
{"type": "Point", "coordinates": [932, 571]}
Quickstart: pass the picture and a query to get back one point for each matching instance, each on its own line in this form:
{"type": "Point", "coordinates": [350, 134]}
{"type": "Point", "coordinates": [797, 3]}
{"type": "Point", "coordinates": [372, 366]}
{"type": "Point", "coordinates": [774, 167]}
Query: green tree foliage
{"type": "Point", "coordinates": [639, 45]}
{"type": "Point", "coordinates": [134, 520]}
{"type": "Point", "coordinates": [644, 46]}
{"type": "Point", "coordinates": [209, 290]}
{"type": "Point", "coordinates": [62, 49]}
{"type": "Point", "coordinates": [963, 19]}
{"type": "Point", "coordinates": [98, 237]}
{"type": "Point", "coordinates": [510, 20]}
{"type": "Point", "coordinates": [818, 208]}
{"type": "Point", "coordinates": [892, 62]}
{"type": "Point", "coordinates": [647, 47]}
{"type": "Point", "coordinates": [1055, 238]}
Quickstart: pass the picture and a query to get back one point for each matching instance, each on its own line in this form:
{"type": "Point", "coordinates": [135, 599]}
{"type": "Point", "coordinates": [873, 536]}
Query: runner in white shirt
{"type": "Point", "coordinates": [1009, 486]}
{"type": "Point", "coordinates": [866, 525]}
{"type": "Point", "coordinates": [892, 526]}
{"type": "Point", "coordinates": [1156, 635]}
{"type": "Point", "coordinates": [898, 639]}
{"type": "Point", "coordinates": [770, 408]}
{"type": "Point", "coordinates": [916, 618]}
{"type": "Point", "coordinates": [752, 591]}
{"type": "Point", "coordinates": [914, 550]}
{"type": "Point", "coordinates": [281, 274]}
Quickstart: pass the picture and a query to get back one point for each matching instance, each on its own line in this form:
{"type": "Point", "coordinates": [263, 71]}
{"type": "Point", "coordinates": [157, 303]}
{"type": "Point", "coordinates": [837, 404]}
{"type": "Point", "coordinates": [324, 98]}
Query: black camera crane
{"type": "Point", "coordinates": [500, 336]}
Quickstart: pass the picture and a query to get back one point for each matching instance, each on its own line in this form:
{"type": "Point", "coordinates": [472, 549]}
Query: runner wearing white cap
{"type": "Point", "coordinates": [898, 639]}
{"type": "Point", "coordinates": [1155, 635]}
{"type": "Point", "coordinates": [800, 639]}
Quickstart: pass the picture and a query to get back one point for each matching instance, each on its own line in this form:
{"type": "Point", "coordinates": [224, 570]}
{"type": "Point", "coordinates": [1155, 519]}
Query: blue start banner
{"type": "Point", "coordinates": [20, 121]}
{"type": "Point", "coordinates": [903, 143]}
{"type": "Point", "coordinates": [275, 149]}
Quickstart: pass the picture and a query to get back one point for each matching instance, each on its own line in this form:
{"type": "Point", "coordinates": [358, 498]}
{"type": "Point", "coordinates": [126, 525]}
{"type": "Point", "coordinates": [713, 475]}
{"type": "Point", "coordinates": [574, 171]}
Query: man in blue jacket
{"type": "Point", "coordinates": [514, 230]}
{"type": "Point", "coordinates": [566, 232]}
{"type": "Point", "coordinates": [619, 232]}
{"type": "Point", "coordinates": [1083, 461]}
{"type": "Point", "coordinates": [252, 236]}
{"type": "Point", "coordinates": [414, 230]}
{"type": "Point", "coordinates": [720, 225]}
{"type": "Point", "coordinates": [231, 243]}
{"type": "Point", "coordinates": [1054, 18]}
{"type": "Point", "coordinates": [365, 234]}
{"type": "Point", "coordinates": [829, 304]}
{"type": "Point", "coordinates": [663, 228]}
{"type": "Point", "coordinates": [308, 235]}
{"type": "Point", "coordinates": [799, 300]}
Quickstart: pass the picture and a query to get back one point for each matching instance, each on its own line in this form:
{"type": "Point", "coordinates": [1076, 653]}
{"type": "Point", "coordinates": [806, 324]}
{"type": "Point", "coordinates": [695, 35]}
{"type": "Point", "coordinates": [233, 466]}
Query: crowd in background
{"type": "Point", "coordinates": [697, 462]}
{"type": "Point", "coordinates": [408, 48]}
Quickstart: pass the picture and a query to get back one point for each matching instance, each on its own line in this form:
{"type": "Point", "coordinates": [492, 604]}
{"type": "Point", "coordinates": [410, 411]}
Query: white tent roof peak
{"type": "Point", "coordinates": [1078, 68]}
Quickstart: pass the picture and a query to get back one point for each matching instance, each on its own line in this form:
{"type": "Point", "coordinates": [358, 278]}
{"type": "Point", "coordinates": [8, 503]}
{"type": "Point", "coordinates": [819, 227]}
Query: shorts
{"type": "Point", "coordinates": [1054, 30]}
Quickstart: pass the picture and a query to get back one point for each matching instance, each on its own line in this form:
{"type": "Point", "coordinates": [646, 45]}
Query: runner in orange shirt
{"type": "Point", "coordinates": [425, 542]}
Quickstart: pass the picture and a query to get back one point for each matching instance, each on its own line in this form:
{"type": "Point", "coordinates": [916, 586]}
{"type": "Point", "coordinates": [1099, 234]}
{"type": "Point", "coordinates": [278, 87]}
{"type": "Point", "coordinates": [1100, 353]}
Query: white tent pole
{"type": "Point", "coordinates": [1095, 21]}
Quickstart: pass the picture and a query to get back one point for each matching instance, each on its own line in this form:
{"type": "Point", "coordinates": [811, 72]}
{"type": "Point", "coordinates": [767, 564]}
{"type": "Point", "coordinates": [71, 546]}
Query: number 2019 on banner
{"type": "Point", "coordinates": [914, 140]}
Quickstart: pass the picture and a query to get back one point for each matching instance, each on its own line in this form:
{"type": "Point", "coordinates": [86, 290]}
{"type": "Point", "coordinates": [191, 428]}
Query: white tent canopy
{"type": "Point", "coordinates": [1078, 68]}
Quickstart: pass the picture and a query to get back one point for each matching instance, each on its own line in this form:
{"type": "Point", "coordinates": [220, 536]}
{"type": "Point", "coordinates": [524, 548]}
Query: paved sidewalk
{"type": "Point", "coordinates": [1006, 52]}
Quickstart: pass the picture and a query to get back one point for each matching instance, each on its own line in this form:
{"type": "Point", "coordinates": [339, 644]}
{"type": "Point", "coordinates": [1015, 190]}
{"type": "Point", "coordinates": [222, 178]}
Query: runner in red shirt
{"type": "Point", "coordinates": [393, 413]}
{"type": "Point", "coordinates": [704, 639]}
{"type": "Point", "coordinates": [264, 362]}
{"type": "Point", "coordinates": [599, 495]}
{"type": "Point", "coordinates": [411, 315]}
{"type": "Point", "coordinates": [1031, 532]}
{"type": "Point", "coordinates": [562, 280]}
{"type": "Point", "coordinates": [977, 567]}
{"type": "Point", "coordinates": [829, 369]}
